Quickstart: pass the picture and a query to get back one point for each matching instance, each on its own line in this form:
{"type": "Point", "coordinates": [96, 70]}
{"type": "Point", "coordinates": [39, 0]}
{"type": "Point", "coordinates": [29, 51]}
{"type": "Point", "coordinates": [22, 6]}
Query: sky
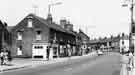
{"type": "Point", "coordinates": [97, 18]}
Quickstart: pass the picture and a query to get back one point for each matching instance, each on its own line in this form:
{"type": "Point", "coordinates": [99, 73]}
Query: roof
{"type": "Point", "coordinates": [9, 28]}
{"type": "Point", "coordinates": [114, 39]}
{"type": "Point", "coordinates": [93, 41]}
{"type": "Point", "coordinates": [52, 25]}
{"type": "Point", "coordinates": [80, 31]}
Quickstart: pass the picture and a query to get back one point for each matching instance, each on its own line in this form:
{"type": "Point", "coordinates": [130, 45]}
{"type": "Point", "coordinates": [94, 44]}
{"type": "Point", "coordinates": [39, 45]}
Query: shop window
{"type": "Point", "coordinates": [38, 47]}
{"type": "Point", "coordinates": [122, 42]}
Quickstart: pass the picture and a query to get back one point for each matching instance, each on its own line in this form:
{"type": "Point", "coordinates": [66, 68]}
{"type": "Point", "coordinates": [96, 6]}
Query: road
{"type": "Point", "coordinates": [108, 64]}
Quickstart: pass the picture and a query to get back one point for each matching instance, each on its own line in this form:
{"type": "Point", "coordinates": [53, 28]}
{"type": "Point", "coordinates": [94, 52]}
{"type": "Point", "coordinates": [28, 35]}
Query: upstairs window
{"type": "Point", "coordinates": [123, 42]}
{"type": "Point", "coordinates": [38, 35]}
{"type": "Point", "coordinates": [19, 35]}
{"type": "Point", "coordinates": [29, 22]}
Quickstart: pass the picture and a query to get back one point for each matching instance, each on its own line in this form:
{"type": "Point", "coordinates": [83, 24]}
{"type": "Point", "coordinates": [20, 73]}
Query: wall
{"type": "Point", "coordinates": [29, 36]}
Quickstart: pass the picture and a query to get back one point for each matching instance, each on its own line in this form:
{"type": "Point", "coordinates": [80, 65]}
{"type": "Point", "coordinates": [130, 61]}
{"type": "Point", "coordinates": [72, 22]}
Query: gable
{"type": "Point", "coordinates": [23, 24]}
{"type": "Point", "coordinates": [83, 36]}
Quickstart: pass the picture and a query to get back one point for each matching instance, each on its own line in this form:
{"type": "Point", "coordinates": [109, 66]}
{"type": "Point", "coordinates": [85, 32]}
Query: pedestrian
{"type": "Point", "coordinates": [48, 52]}
{"type": "Point", "coordinates": [9, 57]}
{"type": "Point", "coordinates": [5, 56]}
{"type": "Point", "coordinates": [2, 56]}
{"type": "Point", "coordinates": [130, 63]}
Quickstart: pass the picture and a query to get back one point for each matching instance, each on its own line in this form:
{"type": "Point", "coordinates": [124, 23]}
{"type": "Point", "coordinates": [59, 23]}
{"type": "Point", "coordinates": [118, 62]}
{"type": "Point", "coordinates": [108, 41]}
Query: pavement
{"type": "Point", "coordinates": [124, 65]}
{"type": "Point", "coordinates": [19, 63]}
{"type": "Point", "coordinates": [108, 64]}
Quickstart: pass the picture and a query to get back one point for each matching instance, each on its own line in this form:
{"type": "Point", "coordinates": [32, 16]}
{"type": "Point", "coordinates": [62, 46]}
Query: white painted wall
{"type": "Point", "coordinates": [125, 45]}
{"type": "Point", "coordinates": [39, 51]}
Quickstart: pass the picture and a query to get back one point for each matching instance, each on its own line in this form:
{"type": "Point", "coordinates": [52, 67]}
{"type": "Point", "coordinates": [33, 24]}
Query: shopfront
{"type": "Point", "coordinates": [39, 50]}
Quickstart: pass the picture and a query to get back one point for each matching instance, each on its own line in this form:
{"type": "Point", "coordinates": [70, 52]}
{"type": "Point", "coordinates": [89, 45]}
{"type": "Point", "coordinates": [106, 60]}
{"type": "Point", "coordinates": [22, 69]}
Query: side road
{"type": "Point", "coordinates": [19, 63]}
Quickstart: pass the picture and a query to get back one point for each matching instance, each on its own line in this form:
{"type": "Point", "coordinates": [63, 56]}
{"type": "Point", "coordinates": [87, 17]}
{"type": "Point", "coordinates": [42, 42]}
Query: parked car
{"type": "Point", "coordinates": [99, 52]}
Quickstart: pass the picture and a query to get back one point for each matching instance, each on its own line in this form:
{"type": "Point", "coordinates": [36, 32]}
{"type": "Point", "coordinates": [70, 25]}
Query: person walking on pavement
{"type": "Point", "coordinates": [9, 57]}
{"type": "Point", "coordinates": [5, 56]}
{"type": "Point", "coordinates": [2, 56]}
{"type": "Point", "coordinates": [48, 52]}
{"type": "Point", "coordinates": [130, 63]}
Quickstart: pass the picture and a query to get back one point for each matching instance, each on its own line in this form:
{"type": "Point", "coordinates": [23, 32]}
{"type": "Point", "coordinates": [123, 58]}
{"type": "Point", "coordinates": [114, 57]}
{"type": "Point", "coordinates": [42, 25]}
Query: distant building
{"type": "Point", "coordinates": [5, 36]}
{"type": "Point", "coordinates": [33, 34]}
{"type": "Point", "coordinates": [84, 41]}
{"type": "Point", "coordinates": [117, 43]}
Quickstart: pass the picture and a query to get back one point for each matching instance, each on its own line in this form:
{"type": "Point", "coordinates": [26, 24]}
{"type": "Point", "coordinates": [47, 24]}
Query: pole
{"type": "Point", "coordinates": [131, 28]}
{"type": "Point", "coordinates": [132, 37]}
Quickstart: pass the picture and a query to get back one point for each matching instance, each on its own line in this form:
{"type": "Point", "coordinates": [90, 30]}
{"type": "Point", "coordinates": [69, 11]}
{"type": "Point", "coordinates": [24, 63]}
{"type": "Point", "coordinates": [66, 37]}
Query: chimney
{"type": "Point", "coordinates": [69, 26]}
{"type": "Point", "coordinates": [49, 18]}
{"type": "Point", "coordinates": [63, 22]}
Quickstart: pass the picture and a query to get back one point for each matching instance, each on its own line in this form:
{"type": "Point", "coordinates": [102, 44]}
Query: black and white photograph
{"type": "Point", "coordinates": [67, 37]}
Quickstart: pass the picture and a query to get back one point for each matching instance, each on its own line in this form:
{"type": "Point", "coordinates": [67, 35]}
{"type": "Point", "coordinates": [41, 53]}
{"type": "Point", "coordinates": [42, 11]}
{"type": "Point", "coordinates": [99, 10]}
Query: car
{"type": "Point", "coordinates": [99, 52]}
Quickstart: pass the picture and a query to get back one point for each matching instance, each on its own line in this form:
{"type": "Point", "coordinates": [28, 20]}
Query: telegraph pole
{"type": "Point", "coordinates": [132, 33]}
{"type": "Point", "coordinates": [131, 28]}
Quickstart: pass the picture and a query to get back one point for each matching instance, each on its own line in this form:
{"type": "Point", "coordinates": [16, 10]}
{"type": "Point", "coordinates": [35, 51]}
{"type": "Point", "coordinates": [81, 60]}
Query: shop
{"type": "Point", "coordinates": [39, 50]}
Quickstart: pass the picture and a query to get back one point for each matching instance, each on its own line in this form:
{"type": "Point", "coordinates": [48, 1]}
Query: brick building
{"type": "Point", "coordinates": [5, 36]}
{"type": "Point", "coordinates": [33, 34]}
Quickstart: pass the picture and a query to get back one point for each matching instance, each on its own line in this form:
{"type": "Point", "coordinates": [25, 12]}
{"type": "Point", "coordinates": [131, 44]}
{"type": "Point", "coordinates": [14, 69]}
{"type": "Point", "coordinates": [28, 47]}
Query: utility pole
{"type": "Point", "coordinates": [132, 33]}
{"type": "Point", "coordinates": [132, 28]}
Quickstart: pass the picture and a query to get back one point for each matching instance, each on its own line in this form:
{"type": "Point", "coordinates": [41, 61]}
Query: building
{"type": "Point", "coordinates": [116, 43]}
{"type": "Point", "coordinates": [84, 40]}
{"type": "Point", "coordinates": [124, 44]}
{"type": "Point", "coordinates": [5, 36]}
{"type": "Point", "coordinates": [34, 34]}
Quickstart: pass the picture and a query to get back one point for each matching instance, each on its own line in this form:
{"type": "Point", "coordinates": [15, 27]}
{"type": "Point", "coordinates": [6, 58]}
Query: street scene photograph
{"type": "Point", "coordinates": [67, 37]}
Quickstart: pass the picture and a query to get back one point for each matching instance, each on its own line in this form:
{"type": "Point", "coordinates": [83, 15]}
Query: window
{"type": "Point", "coordinates": [30, 23]}
{"type": "Point", "coordinates": [38, 35]}
{"type": "Point", "coordinates": [38, 47]}
{"type": "Point", "coordinates": [19, 35]}
{"type": "Point", "coordinates": [123, 42]}
{"type": "Point", "coordinates": [19, 50]}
